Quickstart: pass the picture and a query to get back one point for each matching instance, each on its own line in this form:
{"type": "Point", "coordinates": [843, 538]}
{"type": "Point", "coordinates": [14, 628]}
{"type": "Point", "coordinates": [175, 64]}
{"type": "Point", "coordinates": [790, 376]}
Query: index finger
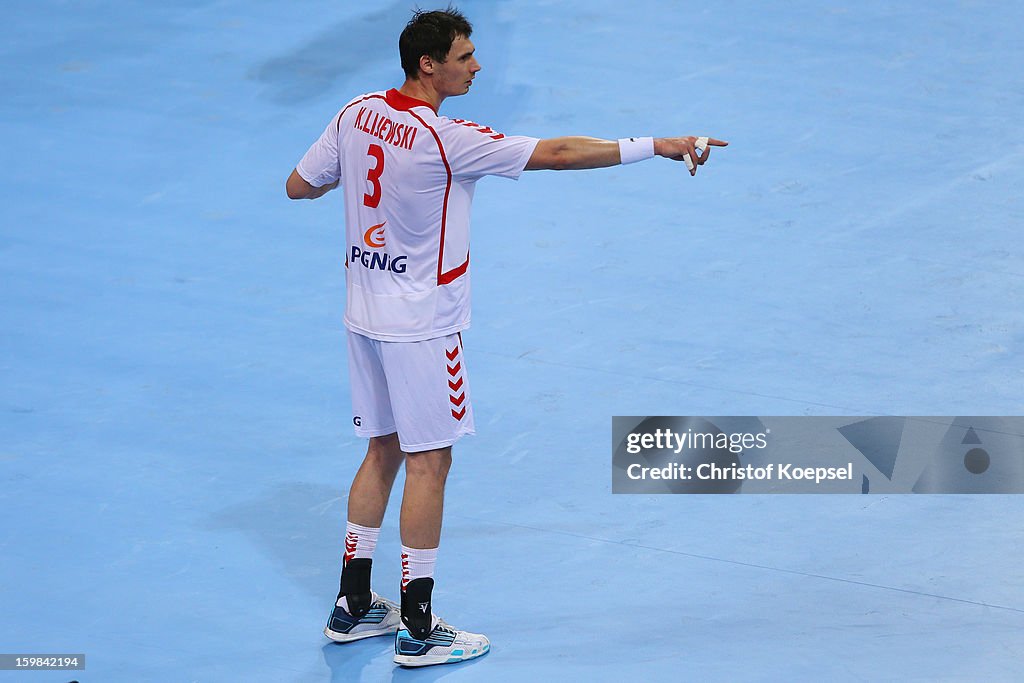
{"type": "Point", "coordinates": [717, 143]}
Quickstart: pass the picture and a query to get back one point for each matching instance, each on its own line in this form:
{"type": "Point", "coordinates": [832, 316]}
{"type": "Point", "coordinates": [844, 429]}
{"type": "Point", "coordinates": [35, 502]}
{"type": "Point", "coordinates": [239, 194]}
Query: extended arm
{"type": "Point", "coordinates": [559, 154]}
{"type": "Point", "coordinates": [298, 188]}
{"type": "Point", "coordinates": [569, 153]}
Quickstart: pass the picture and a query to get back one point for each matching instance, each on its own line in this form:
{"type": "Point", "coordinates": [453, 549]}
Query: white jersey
{"type": "Point", "coordinates": [408, 177]}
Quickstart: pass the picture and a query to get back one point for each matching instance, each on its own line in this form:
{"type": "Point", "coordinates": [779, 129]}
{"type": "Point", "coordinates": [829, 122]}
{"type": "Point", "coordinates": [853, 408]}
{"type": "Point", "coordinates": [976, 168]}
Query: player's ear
{"type": "Point", "coordinates": [426, 64]}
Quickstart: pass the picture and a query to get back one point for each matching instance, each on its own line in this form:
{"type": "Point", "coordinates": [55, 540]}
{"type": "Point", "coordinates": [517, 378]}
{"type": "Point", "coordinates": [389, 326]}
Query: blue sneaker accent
{"type": "Point", "coordinates": [382, 619]}
{"type": "Point", "coordinates": [444, 645]}
{"type": "Point", "coordinates": [405, 644]}
{"type": "Point", "coordinates": [342, 622]}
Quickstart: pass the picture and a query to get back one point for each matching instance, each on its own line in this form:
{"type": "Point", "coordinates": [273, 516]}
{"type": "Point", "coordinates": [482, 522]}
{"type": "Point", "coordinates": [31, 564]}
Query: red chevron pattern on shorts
{"type": "Point", "coordinates": [456, 394]}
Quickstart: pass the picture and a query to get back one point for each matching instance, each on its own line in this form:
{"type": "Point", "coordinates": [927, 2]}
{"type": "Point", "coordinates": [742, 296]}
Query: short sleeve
{"type": "Point", "coordinates": [321, 164]}
{"type": "Point", "coordinates": [475, 151]}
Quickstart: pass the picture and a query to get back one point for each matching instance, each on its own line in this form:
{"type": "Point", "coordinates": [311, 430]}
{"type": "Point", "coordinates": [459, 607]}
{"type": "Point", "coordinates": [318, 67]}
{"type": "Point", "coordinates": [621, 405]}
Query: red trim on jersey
{"type": "Point", "coordinates": [442, 277]}
{"type": "Point", "coordinates": [454, 273]}
{"type": "Point", "coordinates": [397, 100]}
{"type": "Point", "coordinates": [404, 103]}
{"type": "Point", "coordinates": [361, 99]}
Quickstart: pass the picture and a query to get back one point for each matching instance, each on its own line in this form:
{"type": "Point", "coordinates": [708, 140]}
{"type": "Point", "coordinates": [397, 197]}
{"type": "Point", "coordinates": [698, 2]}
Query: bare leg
{"type": "Point", "coordinates": [423, 498]}
{"type": "Point", "coordinates": [422, 510]}
{"type": "Point", "coordinates": [367, 501]}
{"type": "Point", "coordinates": [371, 488]}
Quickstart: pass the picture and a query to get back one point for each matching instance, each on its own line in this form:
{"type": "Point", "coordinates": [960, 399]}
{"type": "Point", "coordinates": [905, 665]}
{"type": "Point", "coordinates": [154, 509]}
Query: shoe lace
{"type": "Point", "coordinates": [380, 599]}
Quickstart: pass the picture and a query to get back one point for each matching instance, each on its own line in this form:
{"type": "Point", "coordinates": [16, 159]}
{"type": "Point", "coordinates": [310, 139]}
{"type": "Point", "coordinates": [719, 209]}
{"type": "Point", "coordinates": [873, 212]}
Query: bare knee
{"type": "Point", "coordinates": [429, 464]}
{"type": "Point", "coordinates": [386, 444]}
{"type": "Point", "coordinates": [386, 451]}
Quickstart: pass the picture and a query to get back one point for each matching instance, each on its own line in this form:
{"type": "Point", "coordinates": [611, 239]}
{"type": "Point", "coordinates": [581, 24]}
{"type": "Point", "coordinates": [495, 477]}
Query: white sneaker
{"type": "Point", "coordinates": [444, 645]}
{"type": "Point", "coordinates": [383, 618]}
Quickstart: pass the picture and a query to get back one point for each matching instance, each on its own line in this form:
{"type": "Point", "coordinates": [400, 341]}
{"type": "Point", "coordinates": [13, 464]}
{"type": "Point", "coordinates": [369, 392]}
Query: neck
{"type": "Point", "coordinates": [422, 90]}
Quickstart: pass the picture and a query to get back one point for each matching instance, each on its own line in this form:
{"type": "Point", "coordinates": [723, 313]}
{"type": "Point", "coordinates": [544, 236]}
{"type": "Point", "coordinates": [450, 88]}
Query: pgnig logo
{"type": "Point", "coordinates": [371, 258]}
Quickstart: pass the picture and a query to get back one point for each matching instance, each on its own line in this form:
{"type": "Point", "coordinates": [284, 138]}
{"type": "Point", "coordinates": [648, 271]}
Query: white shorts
{"type": "Point", "coordinates": [418, 389]}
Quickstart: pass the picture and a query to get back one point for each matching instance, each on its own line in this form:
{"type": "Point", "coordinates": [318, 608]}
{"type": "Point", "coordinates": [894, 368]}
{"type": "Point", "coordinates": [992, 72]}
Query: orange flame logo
{"type": "Point", "coordinates": [374, 236]}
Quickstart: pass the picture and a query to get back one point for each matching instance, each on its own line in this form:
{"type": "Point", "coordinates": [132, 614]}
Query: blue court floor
{"type": "Point", "coordinates": [175, 440]}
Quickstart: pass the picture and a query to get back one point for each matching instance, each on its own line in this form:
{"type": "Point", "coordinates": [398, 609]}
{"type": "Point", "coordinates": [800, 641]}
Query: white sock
{"type": "Point", "coordinates": [360, 541]}
{"type": "Point", "coordinates": [417, 563]}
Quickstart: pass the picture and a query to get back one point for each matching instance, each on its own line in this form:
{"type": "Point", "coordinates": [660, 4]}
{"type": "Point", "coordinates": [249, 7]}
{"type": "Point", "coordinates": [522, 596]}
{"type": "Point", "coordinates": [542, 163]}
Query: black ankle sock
{"type": "Point", "coordinates": [416, 613]}
{"type": "Point", "coordinates": [355, 586]}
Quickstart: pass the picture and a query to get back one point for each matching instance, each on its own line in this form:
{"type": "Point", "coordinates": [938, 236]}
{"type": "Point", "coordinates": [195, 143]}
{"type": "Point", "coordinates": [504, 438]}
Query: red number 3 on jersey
{"type": "Point", "coordinates": [373, 175]}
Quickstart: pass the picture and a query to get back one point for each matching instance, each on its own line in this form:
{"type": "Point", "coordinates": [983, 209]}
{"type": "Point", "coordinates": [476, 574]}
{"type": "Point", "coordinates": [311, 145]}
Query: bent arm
{"type": "Point", "coordinates": [298, 188]}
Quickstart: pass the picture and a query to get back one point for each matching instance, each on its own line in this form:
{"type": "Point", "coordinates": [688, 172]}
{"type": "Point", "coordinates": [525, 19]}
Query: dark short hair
{"type": "Point", "coordinates": [431, 34]}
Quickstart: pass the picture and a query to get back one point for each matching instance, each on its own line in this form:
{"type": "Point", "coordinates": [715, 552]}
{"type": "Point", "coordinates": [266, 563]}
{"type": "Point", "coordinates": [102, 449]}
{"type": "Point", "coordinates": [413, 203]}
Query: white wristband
{"type": "Point", "coordinates": [632, 150]}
